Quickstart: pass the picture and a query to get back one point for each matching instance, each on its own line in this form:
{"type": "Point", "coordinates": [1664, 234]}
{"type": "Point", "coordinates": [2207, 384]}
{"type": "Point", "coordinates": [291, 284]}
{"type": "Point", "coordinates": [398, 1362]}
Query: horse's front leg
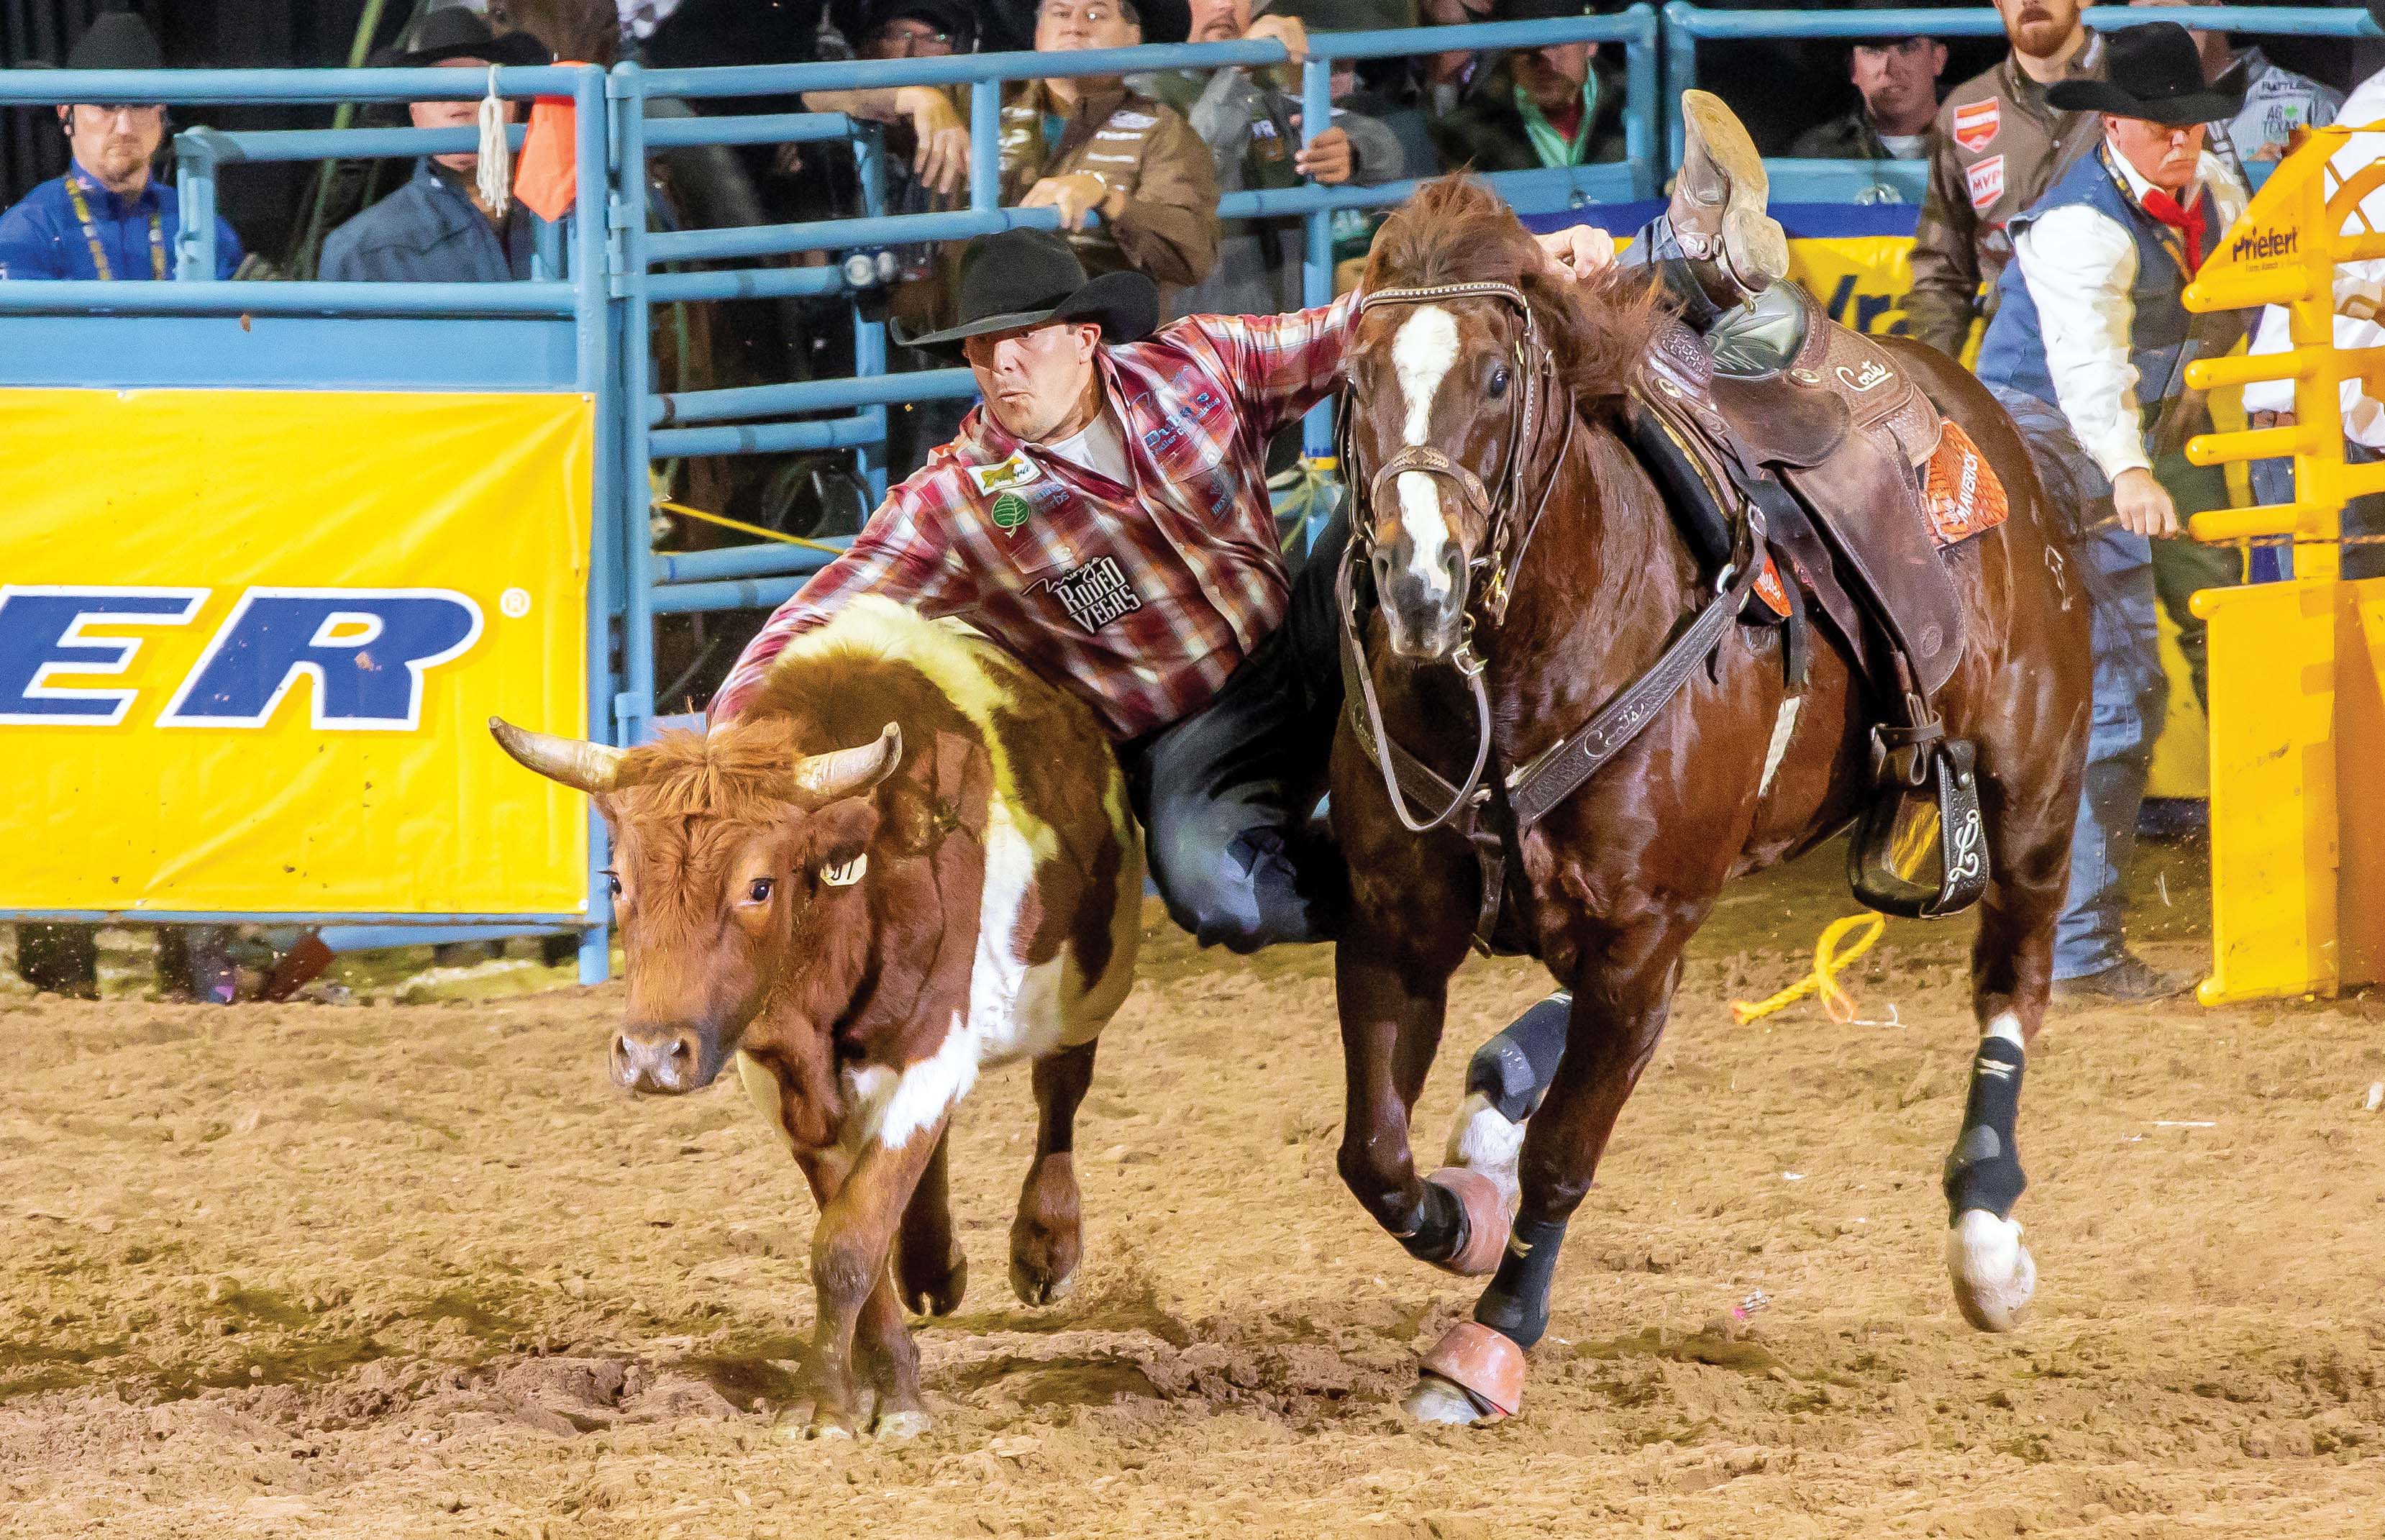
{"type": "Point", "coordinates": [1391, 979]}
{"type": "Point", "coordinates": [1622, 996]}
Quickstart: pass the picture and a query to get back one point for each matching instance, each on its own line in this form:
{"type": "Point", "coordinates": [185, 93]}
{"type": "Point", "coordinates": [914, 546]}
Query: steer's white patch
{"type": "Point", "coordinates": [1422, 354]}
{"type": "Point", "coordinates": [1481, 1140]}
{"type": "Point", "coordinates": [1784, 727]}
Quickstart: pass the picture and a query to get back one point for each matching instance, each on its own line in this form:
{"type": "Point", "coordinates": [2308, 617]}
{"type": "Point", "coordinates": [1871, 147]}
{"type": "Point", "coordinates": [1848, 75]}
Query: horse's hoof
{"type": "Point", "coordinates": [902, 1424]}
{"type": "Point", "coordinates": [941, 1295]}
{"type": "Point", "coordinates": [1436, 1401]}
{"type": "Point", "coordinates": [1472, 1364]}
{"type": "Point", "coordinates": [1486, 1220]}
{"type": "Point", "coordinates": [1033, 1288]}
{"type": "Point", "coordinates": [1992, 1272]}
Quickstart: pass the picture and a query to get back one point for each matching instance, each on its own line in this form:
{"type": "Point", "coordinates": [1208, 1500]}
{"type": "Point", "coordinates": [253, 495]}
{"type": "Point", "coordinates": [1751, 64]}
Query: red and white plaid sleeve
{"type": "Point", "coordinates": [903, 554]}
{"type": "Point", "coordinates": [1279, 364]}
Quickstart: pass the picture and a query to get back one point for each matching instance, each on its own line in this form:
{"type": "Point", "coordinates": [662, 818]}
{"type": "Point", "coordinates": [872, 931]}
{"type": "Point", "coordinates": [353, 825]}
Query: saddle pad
{"type": "Point", "coordinates": [1962, 494]}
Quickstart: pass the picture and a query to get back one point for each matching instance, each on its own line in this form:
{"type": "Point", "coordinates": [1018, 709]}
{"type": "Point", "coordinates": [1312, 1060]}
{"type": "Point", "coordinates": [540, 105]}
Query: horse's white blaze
{"type": "Point", "coordinates": [1422, 354]}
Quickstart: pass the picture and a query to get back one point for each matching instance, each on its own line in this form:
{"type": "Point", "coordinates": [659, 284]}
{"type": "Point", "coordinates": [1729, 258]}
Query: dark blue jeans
{"type": "Point", "coordinates": [1229, 795]}
{"type": "Point", "coordinates": [2273, 481]}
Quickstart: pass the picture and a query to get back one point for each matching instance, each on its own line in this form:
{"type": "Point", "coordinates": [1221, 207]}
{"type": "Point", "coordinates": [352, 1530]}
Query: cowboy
{"type": "Point", "coordinates": [440, 227]}
{"type": "Point", "coordinates": [2001, 142]}
{"type": "Point", "coordinates": [1103, 514]}
{"type": "Point", "coordinates": [108, 217]}
{"type": "Point", "coordinates": [2088, 350]}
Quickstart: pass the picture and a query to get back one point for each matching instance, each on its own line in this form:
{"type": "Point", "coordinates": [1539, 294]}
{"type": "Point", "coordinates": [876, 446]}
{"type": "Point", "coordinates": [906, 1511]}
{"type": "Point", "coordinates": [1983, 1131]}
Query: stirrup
{"type": "Point", "coordinates": [1919, 765]}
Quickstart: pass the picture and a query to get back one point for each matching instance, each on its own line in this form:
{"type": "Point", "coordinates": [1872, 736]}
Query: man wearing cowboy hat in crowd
{"type": "Point", "coordinates": [1105, 516]}
{"type": "Point", "coordinates": [438, 228]}
{"type": "Point", "coordinates": [2088, 350]}
{"type": "Point", "coordinates": [108, 217]}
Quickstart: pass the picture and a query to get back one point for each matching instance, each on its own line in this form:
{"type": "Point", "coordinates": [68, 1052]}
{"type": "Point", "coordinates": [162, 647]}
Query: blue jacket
{"type": "Point", "coordinates": [42, 237]}
{"type": "Point", "coordinates": [429, 231]}
{"type": "Point", "coordinates": [2163, 337]}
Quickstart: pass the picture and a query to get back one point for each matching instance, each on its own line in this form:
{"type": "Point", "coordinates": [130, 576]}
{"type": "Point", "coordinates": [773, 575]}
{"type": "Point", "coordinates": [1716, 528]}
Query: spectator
{"type": "Point", "coordinates": [1089, 145]}
{"type": "Point", "coordinates": [2359, 303]}
{"type": "Point", "coordinates": [108, 217]}
{"type": "Point", "coordinates": [2277, 103]}
{"type": "Point", "coordinates": [1252, 128]}
{"type": "Point", "coordinates": [1531, 107]}
{"type": "Point", "coordinates": [1999, 144]}
{"type": "Point", "coordinates": [1446, 76]}
{"type": "Point", "coordinates": [2089, 351]}
{"type": "Point", "coordinates": [1897, 78]}
{"type": "Point", "coordinates": [439, 228]}
{"type": "Point", "coordinates": [916, 29]}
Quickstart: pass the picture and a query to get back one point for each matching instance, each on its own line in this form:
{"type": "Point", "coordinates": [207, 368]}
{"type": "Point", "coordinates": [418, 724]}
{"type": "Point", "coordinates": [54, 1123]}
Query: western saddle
{"type": "Point", "coordinates": [1784, 415]}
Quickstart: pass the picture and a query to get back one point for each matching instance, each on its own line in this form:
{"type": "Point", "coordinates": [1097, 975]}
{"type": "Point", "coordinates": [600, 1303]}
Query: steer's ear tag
{"type": "Point", "coordinates": [846, 875]}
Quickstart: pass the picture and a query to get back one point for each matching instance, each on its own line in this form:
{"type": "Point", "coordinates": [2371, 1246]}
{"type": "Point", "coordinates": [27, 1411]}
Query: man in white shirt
{"type": "Point", "coordinates": [2088, 351]}
{"type": "Point", "coordinates": [2359, 298]}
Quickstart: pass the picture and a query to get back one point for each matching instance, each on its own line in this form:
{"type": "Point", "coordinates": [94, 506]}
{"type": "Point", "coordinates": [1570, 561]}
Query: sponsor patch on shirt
{"type": "Point", "coordinates": [1096, 593]}
{"type": "Point", "coordinates": [1017, 471]}
{"type": "Point", "coordinates": [1976, 124]}
{"type": "Point", "coordinates": [1124, 119]}
{"type": "Point", "coordinates": [1986, 181]}
{"type": "Point", "coordinates": [1010, 510]}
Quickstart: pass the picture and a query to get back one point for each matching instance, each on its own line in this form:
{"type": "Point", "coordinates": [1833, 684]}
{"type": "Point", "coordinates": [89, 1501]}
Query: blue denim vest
{"type": "Point", "coordinates": [2163, 337]}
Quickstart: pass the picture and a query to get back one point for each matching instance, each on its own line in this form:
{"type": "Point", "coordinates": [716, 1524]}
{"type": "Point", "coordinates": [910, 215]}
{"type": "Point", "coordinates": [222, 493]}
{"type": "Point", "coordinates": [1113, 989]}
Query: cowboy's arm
{"type": "Point", "coordinates": [28, 244]}
{"type": "Point", "coordinates": [1166, 225]}
{"type": "Point", "coordinates": [1944, 295]}
{"type": "Point", "coordinates": [901, 554]}
{"type": "Point", "coordinates": [2079, 265]}
{"type": "Point", "coordinates": [1278, 366]}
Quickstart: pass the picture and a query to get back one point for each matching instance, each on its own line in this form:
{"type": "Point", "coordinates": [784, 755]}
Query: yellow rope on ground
{"type": "Point", "coordinates": [1833, 952]}
{"type": "Point", "coordinates": [684, 511]}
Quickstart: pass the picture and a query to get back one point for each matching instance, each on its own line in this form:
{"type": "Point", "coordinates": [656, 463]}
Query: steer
{"type": "Point", "coordinates": [908, 858]}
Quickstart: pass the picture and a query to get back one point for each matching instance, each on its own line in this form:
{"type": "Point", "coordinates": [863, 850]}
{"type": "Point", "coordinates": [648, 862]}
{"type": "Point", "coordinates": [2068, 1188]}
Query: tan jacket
{"type": "Point", "coordinates": [1168, 228]}
{"type": "Point", "coordinates": [1996, 147]}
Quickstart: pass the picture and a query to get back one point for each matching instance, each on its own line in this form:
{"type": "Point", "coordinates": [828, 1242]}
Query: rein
{"type": "Point", "coordinates": [1538, 786]}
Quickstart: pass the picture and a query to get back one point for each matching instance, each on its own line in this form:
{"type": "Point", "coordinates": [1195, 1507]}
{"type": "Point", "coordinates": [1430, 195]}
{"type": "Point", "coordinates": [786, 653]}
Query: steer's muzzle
{"type": "Point", "coordinates": [663, 1062]}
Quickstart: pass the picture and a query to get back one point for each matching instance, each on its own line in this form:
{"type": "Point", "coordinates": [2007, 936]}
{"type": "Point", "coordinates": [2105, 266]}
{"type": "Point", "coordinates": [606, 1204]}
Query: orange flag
{"type": "Point", "coordinates": [545, 179]}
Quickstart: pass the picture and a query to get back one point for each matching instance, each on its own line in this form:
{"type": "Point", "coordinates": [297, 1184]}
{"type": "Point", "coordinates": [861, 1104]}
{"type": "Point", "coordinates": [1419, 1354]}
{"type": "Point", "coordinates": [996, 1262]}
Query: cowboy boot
{"type": "Point", "coordinates": [1730, 246]}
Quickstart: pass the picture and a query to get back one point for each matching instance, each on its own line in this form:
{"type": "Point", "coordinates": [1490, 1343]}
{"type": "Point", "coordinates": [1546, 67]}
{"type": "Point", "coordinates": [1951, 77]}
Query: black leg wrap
{"type": "Point", "coordinates": [1984, 1169]}
{"type": "Point", "coordinates": [1512, 1068]}
{"type": "Point", "coordinates": [1438, 1228]}
{"type": "Point", "coordinates": [1516, 1303]}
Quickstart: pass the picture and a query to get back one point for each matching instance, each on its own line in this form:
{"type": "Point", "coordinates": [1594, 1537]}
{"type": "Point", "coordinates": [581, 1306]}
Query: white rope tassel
{"type": "Point", "coordinates": [495, 181]}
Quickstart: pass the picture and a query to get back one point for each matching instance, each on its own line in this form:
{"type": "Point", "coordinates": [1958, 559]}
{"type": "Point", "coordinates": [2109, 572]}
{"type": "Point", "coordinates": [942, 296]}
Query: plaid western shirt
{"type": "Point", "coordinates": [1141, 599]}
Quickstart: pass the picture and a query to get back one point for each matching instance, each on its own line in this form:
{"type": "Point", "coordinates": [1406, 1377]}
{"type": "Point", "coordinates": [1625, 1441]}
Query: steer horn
{"type": "Point", "coordinates": [849, 771]}
{"type": "Point", "coordinates": [589, 767]}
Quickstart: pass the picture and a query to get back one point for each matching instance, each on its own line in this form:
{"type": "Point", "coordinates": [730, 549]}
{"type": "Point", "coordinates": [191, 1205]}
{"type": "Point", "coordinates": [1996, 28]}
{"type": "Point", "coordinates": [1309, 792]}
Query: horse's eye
{"type": "Point", "coordinates": [761, 889]}
{"type": "Point", "coordinates": [613, 881]}
{"type": "Point", "coordinates": [1499, 382]}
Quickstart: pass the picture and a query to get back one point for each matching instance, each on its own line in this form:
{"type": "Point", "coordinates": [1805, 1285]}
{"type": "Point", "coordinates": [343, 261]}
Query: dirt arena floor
{"type": "Point", "coordinates": [382, 1268]}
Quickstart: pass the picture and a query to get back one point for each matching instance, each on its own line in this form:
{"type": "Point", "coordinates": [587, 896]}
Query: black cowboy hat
{"type": "Point", "coordinates": [955, 17]}
{"type": "Point", "coordinates": [454, 32]}
{"type": "Point", "coordinates": [116, 40]}
{"type": "Point", "coordinates": [1020, 278]}
{"type": "Point", "coordinates": [2151, 73]}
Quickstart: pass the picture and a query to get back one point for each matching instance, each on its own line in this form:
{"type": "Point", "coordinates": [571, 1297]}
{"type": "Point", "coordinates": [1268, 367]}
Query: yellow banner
{"type": "Point", "coordinates": [249, 642]}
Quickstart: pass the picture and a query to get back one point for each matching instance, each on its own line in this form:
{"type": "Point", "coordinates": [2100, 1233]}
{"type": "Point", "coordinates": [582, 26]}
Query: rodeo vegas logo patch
{"type": "Point", "coordinates": [1096, 593]}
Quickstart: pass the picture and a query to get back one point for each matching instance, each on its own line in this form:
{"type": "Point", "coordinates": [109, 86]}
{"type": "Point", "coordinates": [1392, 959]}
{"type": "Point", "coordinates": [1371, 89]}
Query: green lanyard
{"type": "Point", "coordinates": [1553, 147]}
{"type": "Point", "coordinates": [99, 252]}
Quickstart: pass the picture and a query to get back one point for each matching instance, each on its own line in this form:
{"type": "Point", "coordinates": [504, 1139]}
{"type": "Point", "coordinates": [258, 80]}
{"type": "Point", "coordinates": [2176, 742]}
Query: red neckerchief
{"type": "Point", "coordinates": [2187, 221]}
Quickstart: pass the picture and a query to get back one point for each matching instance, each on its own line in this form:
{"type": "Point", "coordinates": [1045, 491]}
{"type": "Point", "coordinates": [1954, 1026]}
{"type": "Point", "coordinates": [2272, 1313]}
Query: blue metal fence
{"type": "Point", "coordinates": [581, 322]}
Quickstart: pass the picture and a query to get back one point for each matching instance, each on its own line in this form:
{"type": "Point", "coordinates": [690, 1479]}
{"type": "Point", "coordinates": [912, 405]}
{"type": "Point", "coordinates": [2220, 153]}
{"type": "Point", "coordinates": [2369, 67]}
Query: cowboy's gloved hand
{"type": "Point", "coordinates": [1072, 195]}
{"type": "Point", "coordinates": [1578, 253]}
{"type": "Point", "coordinates": [941, 163]}
{"type": "Point", "coordinates": [2144, 504]}
{"type": "Point", "coordinates": [1327, 157]}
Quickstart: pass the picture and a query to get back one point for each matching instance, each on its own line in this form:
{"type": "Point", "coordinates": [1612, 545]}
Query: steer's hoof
{"type": "Point", "coordinates": [934, 1291]}
{"type": "Point", "coordinates": [1992, 1272]}
{"type": "Point", "coordinates": [902, 1424]}
{"type": "Point", "coordinates": [1033, 1288]}
{"type": "Point", "coordinates": [1486, 1220]}
{"type": "Point", "coordinates": [1472, 1376]}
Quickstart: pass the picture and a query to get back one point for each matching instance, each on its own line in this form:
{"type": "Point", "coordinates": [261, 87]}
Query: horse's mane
{"type": "Point", "coordinates": [1457, 231]}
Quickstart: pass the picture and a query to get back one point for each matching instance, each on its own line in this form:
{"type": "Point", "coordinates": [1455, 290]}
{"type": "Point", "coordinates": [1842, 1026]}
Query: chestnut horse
{"type": "Point", "coordinates": [1728, 775]}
